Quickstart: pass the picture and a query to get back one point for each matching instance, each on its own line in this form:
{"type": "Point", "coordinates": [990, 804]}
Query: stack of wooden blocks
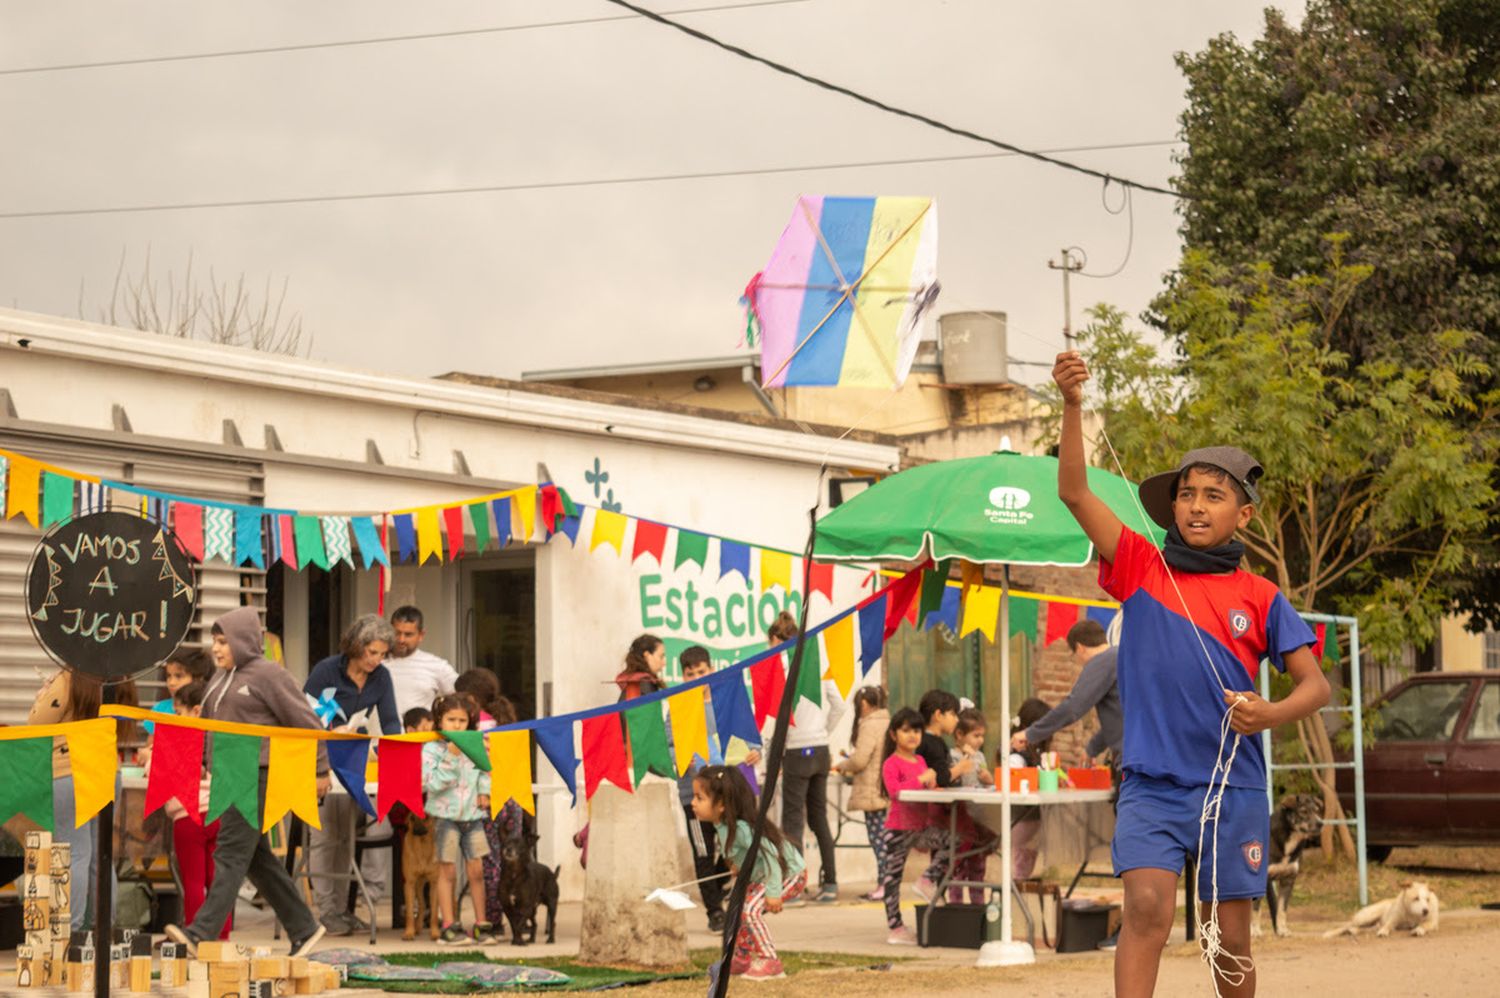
{"type": "Point", "coordinates": [46, 913]}
{"type": "Point", "coordinates": [226, 970]}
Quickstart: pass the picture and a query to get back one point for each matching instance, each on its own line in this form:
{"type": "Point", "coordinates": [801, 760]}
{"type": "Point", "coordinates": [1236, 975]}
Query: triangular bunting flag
{"type": "Point", "coordinates": [187, 524]}
{"type": "Point", "coordinates": [1023, 618]}
{"type": "Point", "coordinates": [733, 716]}
{"type": "Point", "coordinates": [309, 534]}
{"type": "Point", "coordinates": [900, 596]}
{"type": "Point", "coordinates": [479, 516]}
{"type": "Point", "coordinates": [367, 536]}
{"type": "Point", "coordinates": [554, 737]}
{"type": "Point", "coordinates": [649, 752]}
{"type": "Point", "coordinates": [686, 713]}
{"type": "Point", "coordinates": [767, 683]}
{"type": "Point", "coordinates": [292, 780]}
{"type": "Point", "coordinates": [398, 767]}
{"type": "Point", "coordinates": [1330, 646]}
{"type": "Point", "coordinates": [609, 528]}
{"type": "Point", "coordinates": [810, 675]}
{"type": "Point", "coordinates": [691, 547]}
{"type": "Point", "coordinates": [234, 764]}
{"type": "Point", "coordinates": [218, 533]}
{"type": "Point", "coordinates": [820, 580]}
{"type": "Point", "coordinates": [650, 538]}
{"type": "Point", "coordinates": [501, 509]}
{"type": "Point", "coordinates": [603, 754]}
{"type": "Point", "coordinates": [1060, 619]}
{"type": "Point", "coordinates": [552, 509]}
{"type": "Point", "coordinates": [733, 557]}
{"type": "Point", "coordinates": [349, 759]}
{"type": "Point", "coordinates": [27, 789]}
{"type": "Point", "coordinates": [947, 611]}
{"type": "Point", "coordinates": [775, 569]}
{"type": "Point", "coordinates": [95, 760]}
{"type": "Point", "coordinates": [336, 544]}
{"type": "Point", "coordinates": [23, 489]}
{"type": "Point", "coordinates": [871, 634]}
{"type": "Point", "coordinates": [406, 536]}
{"type": "Point", "coordinates": [1101, 615]}
{"type": "Point", "coordinates": [429, 535]}
{"type": "Point", "coordinates": [471, 744]}
{"type": "Point", "coordinates": [934, 582]}
{"type": "Point", "coordinates": [525, 505]}
{"type": "Point", "coordinates": [453, 527]}
{"type": "Point", "coordinates": [982, 611]}
{"type": "Point", "coordinates": [176, 769]}
{"type": "Point", "coordinates": [286, 532]}
{"type": "Point", "coordinates": [838, 641]}
{"type": "Point", "coordinates": [57, 499]}
{"type": "Point", "coordinates": [568, 527]}
{"type": "Point", "coordinates": [510, 771]}
{"type": "Point", "coordinates": [248, 543]}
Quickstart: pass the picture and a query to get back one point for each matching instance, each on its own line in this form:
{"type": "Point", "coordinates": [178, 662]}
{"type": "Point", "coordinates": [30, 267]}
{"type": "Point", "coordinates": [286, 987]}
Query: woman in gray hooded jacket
{"type": "Point", "coordinates": [252, 690]}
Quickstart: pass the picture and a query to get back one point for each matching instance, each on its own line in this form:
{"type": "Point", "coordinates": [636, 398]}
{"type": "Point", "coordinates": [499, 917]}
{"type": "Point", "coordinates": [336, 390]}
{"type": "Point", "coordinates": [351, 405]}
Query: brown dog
{"type": "Point", "coordinates": [419, 868]}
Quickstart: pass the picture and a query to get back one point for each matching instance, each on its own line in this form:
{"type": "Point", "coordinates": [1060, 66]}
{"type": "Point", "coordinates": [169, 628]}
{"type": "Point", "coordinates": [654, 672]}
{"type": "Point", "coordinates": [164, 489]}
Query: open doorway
{"type": "Point", "coordinates": [499, 630]}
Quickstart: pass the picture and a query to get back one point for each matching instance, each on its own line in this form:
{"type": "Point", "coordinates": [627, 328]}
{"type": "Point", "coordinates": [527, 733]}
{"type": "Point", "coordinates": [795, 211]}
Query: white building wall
{"type": "Point", "coordinates": [714, 476]}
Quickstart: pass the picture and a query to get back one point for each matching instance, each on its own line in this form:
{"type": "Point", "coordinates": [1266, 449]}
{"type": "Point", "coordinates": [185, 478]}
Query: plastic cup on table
{"type": "Point", "coordinates": [1046, 781]}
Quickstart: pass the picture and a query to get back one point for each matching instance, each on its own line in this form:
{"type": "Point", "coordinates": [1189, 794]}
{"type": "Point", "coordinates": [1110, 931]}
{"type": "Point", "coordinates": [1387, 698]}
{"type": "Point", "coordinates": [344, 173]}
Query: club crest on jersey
{"type": "Point", "coordinates": [1254, 853]}
{"type": "Point", "coordinates": [1239, 622]}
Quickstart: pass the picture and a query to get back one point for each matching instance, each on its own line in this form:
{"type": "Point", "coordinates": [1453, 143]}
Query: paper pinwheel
{"type": "Point", "coordinates": [326, 707]}
{"type": "Point", "coordinates": [840, 301]}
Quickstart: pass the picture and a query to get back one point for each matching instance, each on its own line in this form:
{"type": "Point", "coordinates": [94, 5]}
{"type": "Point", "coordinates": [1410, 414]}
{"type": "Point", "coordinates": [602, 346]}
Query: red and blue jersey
{"type": "Point", "coordinates": [1172, 700]}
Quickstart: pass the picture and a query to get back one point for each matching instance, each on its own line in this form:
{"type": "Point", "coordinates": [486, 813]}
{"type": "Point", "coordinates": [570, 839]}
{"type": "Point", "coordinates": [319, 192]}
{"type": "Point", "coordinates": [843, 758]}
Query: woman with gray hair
{"type": "Point", "coordinates": [359, 687]}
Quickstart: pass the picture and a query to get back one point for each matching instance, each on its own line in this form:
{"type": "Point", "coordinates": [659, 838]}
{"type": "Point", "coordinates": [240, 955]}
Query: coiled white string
{"type": "Point", "coordinates": [1233, 968]}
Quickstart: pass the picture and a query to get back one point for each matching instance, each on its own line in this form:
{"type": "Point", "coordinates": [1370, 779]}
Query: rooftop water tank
{"type": "Point", "coordinates": [973, 348]}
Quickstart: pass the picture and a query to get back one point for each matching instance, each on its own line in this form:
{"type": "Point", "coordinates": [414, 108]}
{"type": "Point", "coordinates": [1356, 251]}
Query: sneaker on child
{"type": "Point", "coordinates": [902, 936]}
{"type": "Point", "coordinates": [453, 935]}
{"type": "Point", "coordinates": [304, 946]}
{"type": "Point", "coordinates": [484, 933]}
{"type": "Point", "coordinates": [765, 969]}
{"type": "Point", "coordinates": [828, 895]}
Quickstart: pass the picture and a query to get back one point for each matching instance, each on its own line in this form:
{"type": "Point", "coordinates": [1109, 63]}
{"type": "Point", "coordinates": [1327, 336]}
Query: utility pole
{"type": "Point", "coordinates": [1071, 264]}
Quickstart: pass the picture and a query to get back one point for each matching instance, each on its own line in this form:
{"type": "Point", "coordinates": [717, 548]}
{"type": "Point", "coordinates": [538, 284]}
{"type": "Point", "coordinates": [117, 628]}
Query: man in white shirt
{"type": "Point", "coordinates": [419, 677]}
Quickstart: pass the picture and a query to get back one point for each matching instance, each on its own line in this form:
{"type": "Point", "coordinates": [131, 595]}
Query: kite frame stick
{"type": "Point", "coordinates": [848, 289]}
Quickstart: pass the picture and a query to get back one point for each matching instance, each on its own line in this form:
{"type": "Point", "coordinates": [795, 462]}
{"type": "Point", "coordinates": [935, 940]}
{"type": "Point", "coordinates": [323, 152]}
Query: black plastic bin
{"type": "Point", "coordinates": [1082, 925]}
{"type": "Point", "coordinates": [957, 925]}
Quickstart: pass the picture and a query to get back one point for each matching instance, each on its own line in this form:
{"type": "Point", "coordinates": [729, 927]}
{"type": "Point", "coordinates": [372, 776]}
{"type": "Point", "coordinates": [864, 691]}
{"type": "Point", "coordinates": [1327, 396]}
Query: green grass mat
{"type": "Point", "coordinates": [586, 977]}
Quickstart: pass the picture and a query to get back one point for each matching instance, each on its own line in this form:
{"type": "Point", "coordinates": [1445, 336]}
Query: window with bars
{"type": "Point", "coordinates": [1491, 648]}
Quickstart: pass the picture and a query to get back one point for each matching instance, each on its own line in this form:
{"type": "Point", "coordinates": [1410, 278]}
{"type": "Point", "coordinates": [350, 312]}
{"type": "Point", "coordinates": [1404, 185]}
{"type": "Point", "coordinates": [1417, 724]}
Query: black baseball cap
{"type": "Point", "coordinates": [1158, 490]}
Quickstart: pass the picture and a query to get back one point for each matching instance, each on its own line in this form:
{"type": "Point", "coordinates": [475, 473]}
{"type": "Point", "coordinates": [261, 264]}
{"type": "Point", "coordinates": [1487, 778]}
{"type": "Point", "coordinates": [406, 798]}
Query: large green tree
{"type": "Point", "coordinates": [1379, 119]}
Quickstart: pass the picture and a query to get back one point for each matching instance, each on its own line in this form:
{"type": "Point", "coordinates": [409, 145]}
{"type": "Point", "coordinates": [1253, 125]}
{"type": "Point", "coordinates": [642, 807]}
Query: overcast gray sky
{"type": "Point", "coordinates": [499, 283]}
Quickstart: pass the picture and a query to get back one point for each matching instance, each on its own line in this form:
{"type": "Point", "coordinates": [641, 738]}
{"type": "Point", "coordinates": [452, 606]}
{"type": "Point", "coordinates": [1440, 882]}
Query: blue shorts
{"type": "Point", "coordinates": [457, 840]}
{"type": "Point", "coordinates": [1156, 827]}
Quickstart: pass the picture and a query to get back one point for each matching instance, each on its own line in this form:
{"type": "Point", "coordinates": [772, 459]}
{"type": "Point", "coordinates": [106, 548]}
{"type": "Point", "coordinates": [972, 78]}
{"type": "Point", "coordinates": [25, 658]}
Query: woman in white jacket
{"type": "Point", "coordinates": [862, 763]}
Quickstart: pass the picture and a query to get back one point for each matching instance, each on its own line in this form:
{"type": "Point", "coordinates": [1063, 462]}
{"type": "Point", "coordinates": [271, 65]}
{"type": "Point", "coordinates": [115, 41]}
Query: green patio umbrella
{"type": "Point", "coordinates": [1000, 509]}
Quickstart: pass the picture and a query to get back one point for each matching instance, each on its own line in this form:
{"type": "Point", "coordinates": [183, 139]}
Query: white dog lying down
{"type": "Point", "coordinates": [1414, 909]}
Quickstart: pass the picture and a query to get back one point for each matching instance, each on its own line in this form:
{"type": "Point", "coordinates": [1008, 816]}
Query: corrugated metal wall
{"type": "Point", "coordinates": [22, 661]}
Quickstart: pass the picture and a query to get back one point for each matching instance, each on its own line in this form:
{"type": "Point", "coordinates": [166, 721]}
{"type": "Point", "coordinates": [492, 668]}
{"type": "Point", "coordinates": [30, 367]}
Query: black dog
{"type": "Point", "coordinates": [1295, 826]}
{"type": "Point", "coordinates": [525, 884]}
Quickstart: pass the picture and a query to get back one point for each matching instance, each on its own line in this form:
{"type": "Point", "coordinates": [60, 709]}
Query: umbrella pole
{"type": "Point", "coordinates": [1005, 837]}
{"type": "Point", "coordinates": [1005, 951]}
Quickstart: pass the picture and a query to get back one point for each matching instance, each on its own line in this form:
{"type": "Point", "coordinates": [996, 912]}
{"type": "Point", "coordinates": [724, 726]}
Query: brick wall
{"type": "Point", "coordinates": [1053, 669]}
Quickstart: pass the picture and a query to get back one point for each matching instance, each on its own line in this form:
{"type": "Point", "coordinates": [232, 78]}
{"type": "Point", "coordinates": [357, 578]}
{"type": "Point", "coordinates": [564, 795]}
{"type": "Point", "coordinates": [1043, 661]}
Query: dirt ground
{"type": "Point", "coordinates": [1449, 963]}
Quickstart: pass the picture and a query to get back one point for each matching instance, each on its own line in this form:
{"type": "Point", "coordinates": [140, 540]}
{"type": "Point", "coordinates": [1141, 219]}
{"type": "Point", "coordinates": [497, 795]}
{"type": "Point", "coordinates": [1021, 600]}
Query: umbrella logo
{"type": "Point", "coordinates": [1008, 505]}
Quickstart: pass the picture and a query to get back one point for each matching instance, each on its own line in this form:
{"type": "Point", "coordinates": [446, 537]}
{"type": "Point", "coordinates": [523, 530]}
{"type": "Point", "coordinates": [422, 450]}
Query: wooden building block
{"type": "Point", "coordinates": [198, 989]}
{"type": "Point", "coordinates": [173, 965]}
{"type": "Point", "coordinates": [140, 975]}
{"type": "Point", "coordinates": [299, 966]}
{"type": "Point", "coordinates": [119, 966]}
{"type": "Point", "coordinates": [270, 967]}
{"type": "Point", "coordinates": [220, 951]}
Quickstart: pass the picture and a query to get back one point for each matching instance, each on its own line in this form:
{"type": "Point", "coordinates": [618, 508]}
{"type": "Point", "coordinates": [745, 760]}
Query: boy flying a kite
{"type": "Point", "coordinates": [1195, 630]}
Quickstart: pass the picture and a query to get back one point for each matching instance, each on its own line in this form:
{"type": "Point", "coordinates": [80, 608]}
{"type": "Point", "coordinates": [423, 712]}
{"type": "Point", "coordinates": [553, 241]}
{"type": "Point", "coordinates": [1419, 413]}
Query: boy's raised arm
{"type": "Point", "coordinates": [1096, 518]}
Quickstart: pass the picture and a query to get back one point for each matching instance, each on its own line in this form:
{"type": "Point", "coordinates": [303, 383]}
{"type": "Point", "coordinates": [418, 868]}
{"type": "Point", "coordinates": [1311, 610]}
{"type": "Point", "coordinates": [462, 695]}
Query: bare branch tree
{"type": "Point", "coordinates": [215, 313]}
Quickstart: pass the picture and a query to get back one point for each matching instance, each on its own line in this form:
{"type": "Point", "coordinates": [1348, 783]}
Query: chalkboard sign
{"type": "Point", "coordinates": [110, 594]}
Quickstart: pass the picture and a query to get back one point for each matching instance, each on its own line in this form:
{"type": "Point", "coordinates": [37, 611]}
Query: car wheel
{"type": "Point", "coordinates": [1378, 854]}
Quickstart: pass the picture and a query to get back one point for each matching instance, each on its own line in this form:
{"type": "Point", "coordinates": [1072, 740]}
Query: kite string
{"type": "Point", "coordinates": [1209, 934]}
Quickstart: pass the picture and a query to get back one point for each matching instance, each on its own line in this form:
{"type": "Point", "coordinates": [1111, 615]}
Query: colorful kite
{"type": "Point", "coordinates": [840, 301]}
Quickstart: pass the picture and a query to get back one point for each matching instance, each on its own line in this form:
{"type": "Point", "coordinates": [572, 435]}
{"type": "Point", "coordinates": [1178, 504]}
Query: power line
{"type": "Point", "coordinates": [383, 40]}
{"type": "Point", "coordinates": [555, 184]}
{"type": "Point", "coordinates": [888, 108]}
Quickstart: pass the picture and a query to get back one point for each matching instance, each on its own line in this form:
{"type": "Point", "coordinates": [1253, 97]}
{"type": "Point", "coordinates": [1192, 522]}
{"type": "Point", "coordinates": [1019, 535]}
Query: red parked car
{"type": "Point", "coordinates": [1432, 775]}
